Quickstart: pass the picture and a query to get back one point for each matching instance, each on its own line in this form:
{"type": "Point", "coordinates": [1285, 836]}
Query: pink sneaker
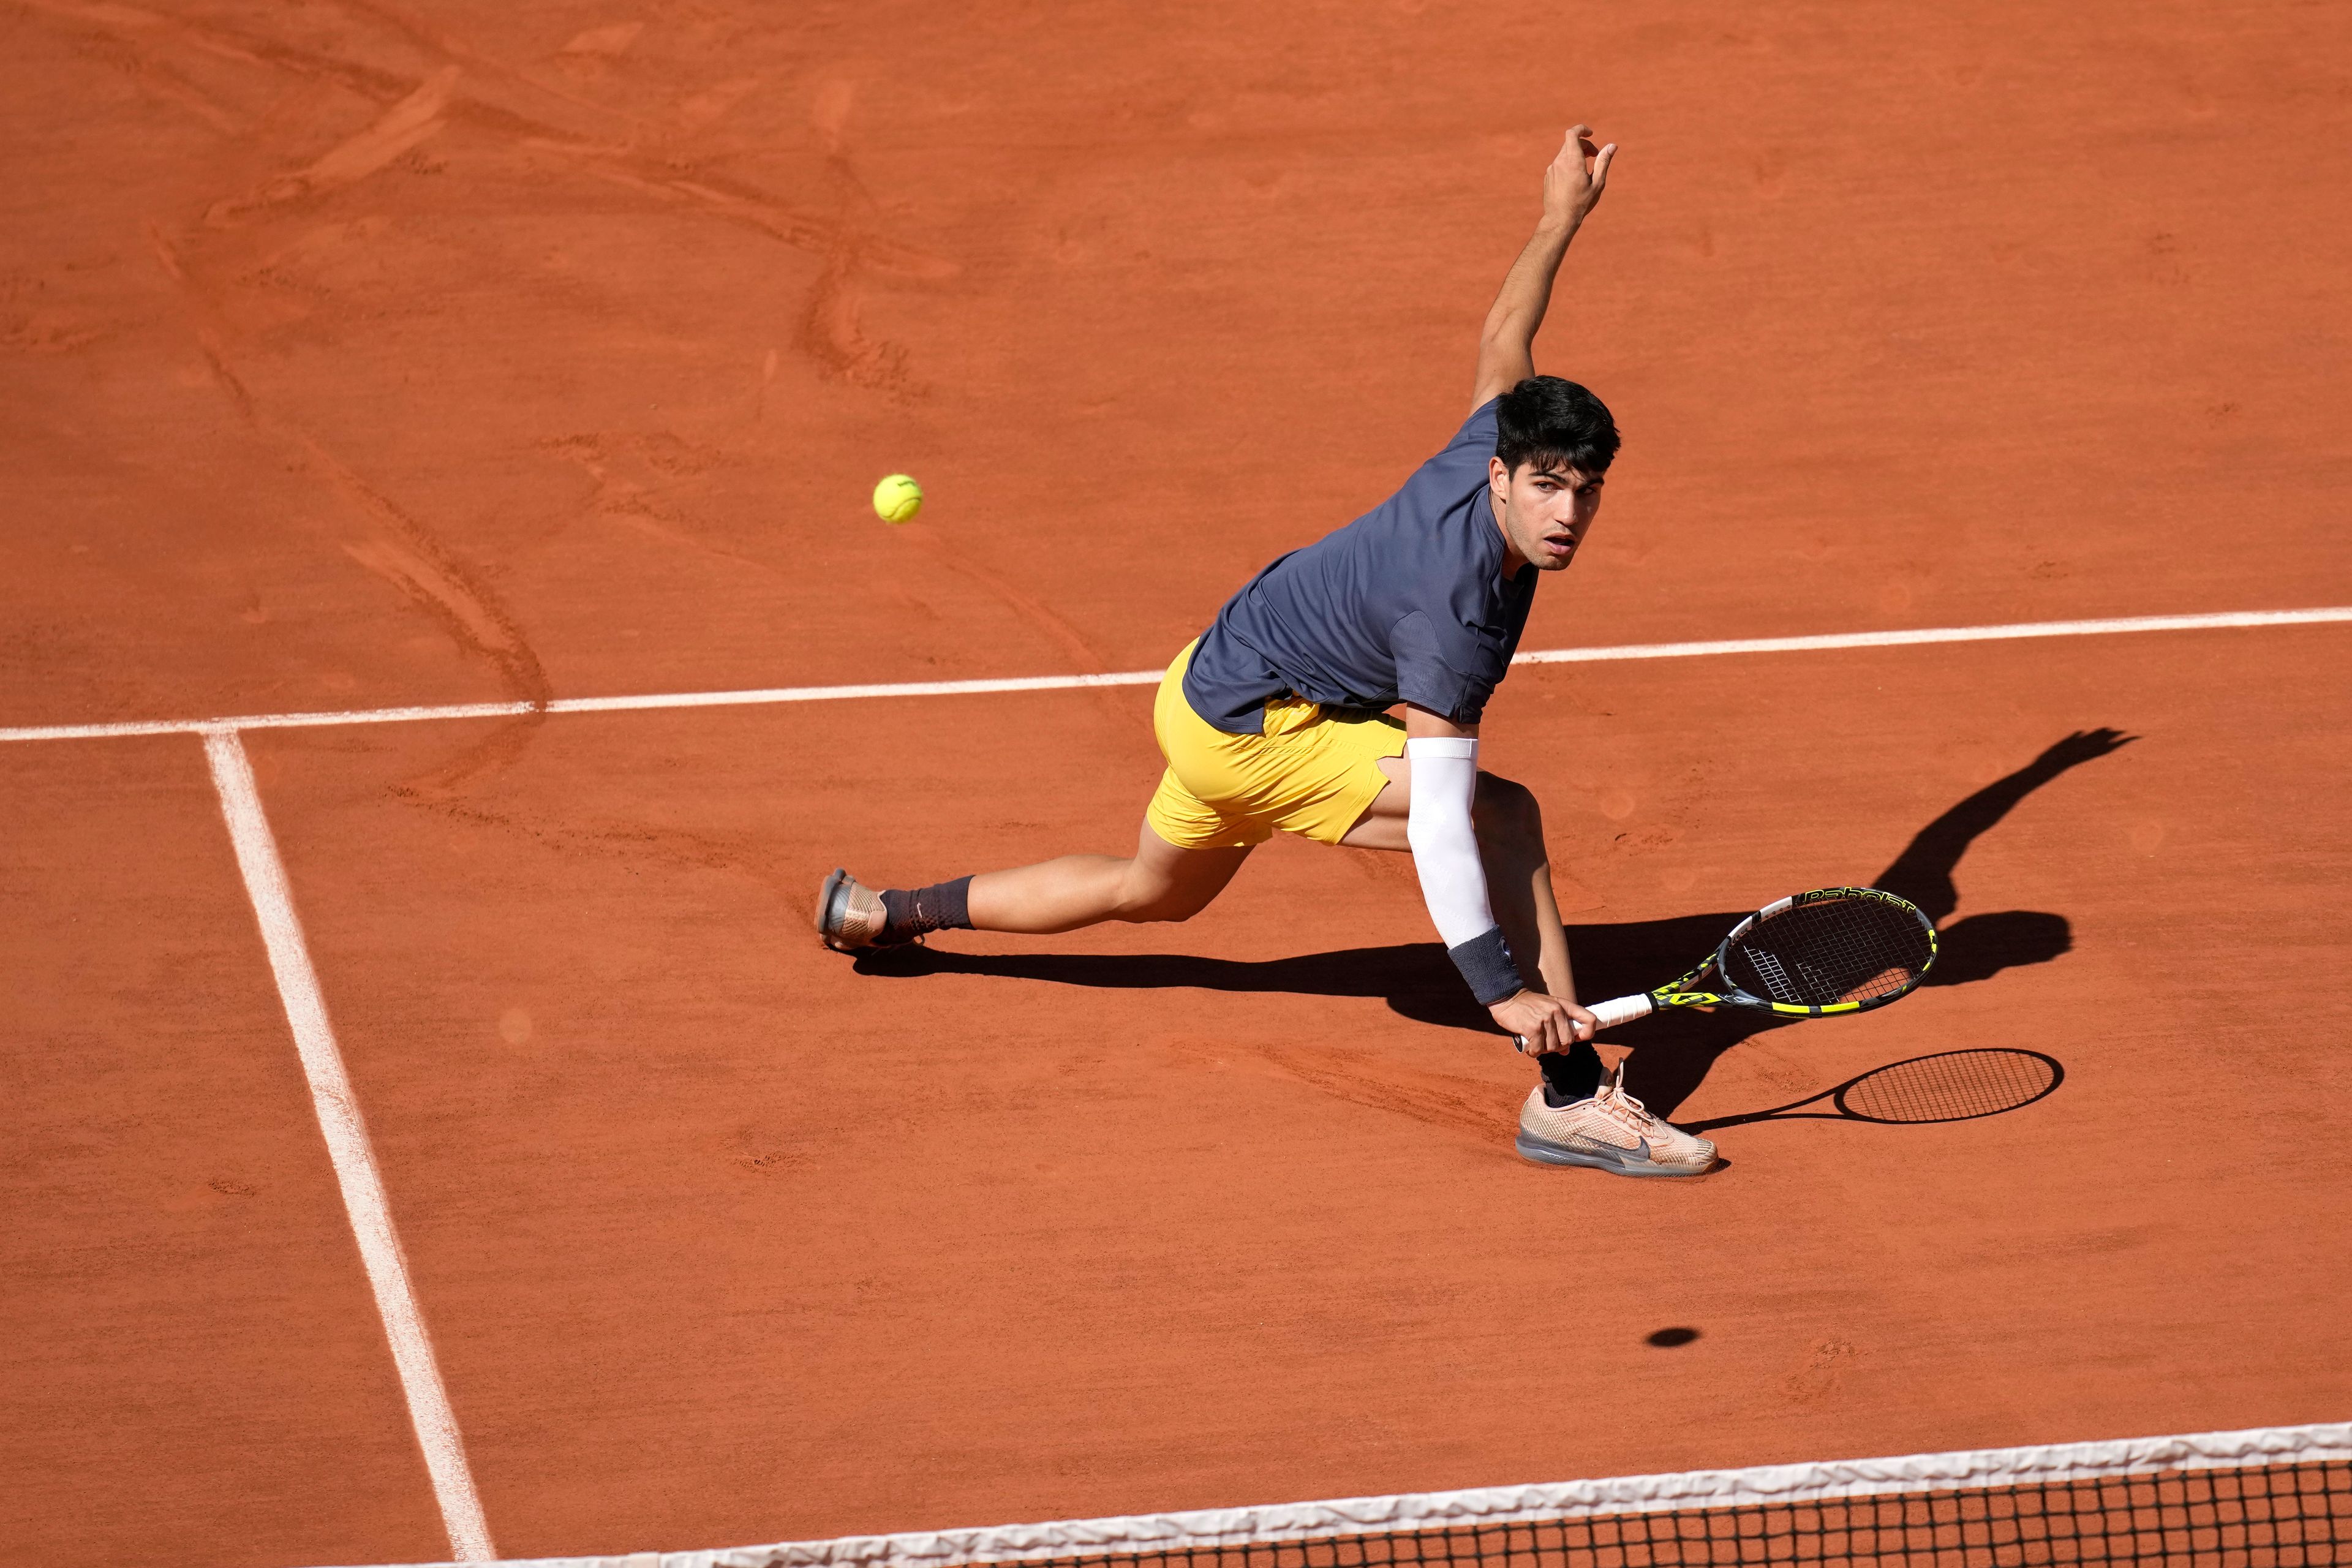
{"type": "Point", "coordinates": [1612, 1132]}
{"type": "Point", "coordinates": [849, 914]}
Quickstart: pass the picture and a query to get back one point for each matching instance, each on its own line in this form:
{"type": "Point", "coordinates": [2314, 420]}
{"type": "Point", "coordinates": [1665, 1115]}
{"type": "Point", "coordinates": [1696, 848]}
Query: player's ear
{"type": "Point", "coordinates": [1498, 478]}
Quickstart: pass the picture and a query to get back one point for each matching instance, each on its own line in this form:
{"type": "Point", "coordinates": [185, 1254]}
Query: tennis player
{"type": "Point", "coordinates": [1275, 719]}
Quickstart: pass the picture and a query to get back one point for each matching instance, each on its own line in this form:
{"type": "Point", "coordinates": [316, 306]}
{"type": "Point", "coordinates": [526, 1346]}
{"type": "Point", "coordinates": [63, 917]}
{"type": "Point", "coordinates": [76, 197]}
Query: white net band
{"type": "Point", "coordinates": [1211, 1529]}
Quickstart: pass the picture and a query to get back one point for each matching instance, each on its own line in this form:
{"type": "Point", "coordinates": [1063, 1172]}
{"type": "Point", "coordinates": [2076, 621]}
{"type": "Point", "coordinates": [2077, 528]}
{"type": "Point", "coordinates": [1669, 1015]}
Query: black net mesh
{"type": "Point", "coordinates": [1833, 948]}
{"type": "Point", "coordinates": [2281, 1516]}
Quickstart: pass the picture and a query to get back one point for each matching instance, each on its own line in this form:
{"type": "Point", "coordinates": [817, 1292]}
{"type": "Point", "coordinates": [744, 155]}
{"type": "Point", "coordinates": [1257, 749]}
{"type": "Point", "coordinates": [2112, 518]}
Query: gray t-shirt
{"type": "Point", "coordinates": [1407, 604]}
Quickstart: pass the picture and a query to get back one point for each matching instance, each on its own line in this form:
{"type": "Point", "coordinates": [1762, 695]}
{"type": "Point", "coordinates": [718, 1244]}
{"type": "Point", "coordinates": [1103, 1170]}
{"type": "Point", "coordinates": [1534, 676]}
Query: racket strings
{"type": "Point", "coordinates": [1833, 949]}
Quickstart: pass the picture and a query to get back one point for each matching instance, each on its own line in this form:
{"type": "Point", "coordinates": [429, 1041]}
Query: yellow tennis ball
{"type": "Point", "coordinates": [898, 498]}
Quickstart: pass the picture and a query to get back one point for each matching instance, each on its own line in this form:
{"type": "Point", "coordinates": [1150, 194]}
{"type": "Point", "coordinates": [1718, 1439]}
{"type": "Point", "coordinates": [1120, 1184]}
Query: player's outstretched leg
{"type": "Point", "coordinates": [1158, 882]}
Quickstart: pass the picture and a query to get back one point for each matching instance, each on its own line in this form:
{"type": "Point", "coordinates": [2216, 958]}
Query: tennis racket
{"type": "Point", "coordinates": [1951, 1086]}
{"type": "Point", "coordinates": [1834, 950]}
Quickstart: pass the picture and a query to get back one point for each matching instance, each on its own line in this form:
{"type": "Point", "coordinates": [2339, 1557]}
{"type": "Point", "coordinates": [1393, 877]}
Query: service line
{"type": "Point", "coordinates": [348, 1147]}
{"type": "Point", "coordinates": [1148, 678]}
{"type": "Point", "coordinates": [775, 694]}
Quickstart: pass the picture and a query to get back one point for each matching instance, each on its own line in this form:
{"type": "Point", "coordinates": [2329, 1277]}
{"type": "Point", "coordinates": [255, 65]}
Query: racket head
{"type": "Point", "coordinates": [1833, 949]}
{"type": "Point", "coordinates": [1951, 1086]}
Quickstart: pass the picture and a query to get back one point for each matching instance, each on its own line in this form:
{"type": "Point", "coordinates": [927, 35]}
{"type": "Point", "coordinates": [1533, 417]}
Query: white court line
{"type": "Point", "coordinates": [348, 1147]}
{"type": "Point", "coordinates": [766, 695]}
{"type": "Point", "coordinates": [2012, 633]}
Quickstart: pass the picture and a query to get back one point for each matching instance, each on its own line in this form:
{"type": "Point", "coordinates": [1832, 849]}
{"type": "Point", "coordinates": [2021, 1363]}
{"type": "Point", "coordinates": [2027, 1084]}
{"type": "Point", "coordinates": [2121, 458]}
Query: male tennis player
{"type": "Point", "coordinates": [1275, 719]}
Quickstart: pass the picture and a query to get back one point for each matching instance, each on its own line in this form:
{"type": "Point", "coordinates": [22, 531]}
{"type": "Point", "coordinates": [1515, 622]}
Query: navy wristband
{"type": "Point", "coordinates": [1486, 964]}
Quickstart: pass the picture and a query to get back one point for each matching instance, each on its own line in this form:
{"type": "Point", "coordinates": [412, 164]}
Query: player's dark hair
{"type": "Point", "coordinates": [1554, 424]}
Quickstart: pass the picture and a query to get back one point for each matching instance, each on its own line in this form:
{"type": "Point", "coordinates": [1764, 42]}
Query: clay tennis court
{"type": "Point", "coordinates": [361, 358]}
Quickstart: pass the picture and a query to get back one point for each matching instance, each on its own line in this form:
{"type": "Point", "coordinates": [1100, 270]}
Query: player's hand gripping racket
{"type": "Point", "coordinates": [1834, 950]}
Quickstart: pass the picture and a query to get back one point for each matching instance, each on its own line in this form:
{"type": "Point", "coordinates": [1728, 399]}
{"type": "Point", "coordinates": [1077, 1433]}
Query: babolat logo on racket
{"type": "Point", "coordinates": [1833, 949]}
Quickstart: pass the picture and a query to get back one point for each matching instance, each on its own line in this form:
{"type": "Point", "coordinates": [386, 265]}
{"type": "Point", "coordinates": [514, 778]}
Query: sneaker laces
{"type": "Point", "coordinates": [1623, 1108]}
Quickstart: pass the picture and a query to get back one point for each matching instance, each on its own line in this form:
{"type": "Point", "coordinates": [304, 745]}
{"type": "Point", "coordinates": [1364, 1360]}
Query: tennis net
{"type": "Point", "coordinates": [2270, 1498]}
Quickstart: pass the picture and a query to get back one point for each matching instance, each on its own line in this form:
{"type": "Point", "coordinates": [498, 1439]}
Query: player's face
{"type": "Point", "coordinates": [1545, 511]}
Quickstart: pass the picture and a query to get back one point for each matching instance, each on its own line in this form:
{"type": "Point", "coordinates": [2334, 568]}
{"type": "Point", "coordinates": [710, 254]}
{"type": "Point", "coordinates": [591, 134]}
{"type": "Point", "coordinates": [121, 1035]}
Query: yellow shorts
{"type": "Point", "coordinates": [1311, 771]}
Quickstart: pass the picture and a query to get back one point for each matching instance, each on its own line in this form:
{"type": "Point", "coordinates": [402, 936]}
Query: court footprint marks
{"type": "Point", "coordinates": [831, 327]}
{"type": "Point", "coordinates": [1435, 1100]}
{"type": "Point", "coordinates": [415, 119]}
{"type": "Point", "coordinates": [637, 476]}
{"type": "Point", "coordinates": [380, 537]}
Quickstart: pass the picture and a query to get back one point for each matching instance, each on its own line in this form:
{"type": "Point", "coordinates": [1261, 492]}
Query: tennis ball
{"type": "Point", "coordinates": [898, 498]}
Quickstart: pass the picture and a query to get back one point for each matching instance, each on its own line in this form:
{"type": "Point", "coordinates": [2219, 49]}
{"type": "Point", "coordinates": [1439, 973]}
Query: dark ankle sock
{"type": "Point", "coordinates": [1570, 1075]}
{"type": "Point", "coordinates": [943, 906]}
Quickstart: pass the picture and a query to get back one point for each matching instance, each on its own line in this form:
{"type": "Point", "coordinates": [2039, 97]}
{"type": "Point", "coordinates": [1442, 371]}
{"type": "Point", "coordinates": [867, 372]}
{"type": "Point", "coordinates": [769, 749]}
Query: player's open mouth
{"type": "Point", "coordinates": [1560, 546]}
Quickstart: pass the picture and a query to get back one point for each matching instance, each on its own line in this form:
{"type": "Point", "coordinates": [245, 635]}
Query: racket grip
{"type": "Point", "coordinates": [1621, 1010]}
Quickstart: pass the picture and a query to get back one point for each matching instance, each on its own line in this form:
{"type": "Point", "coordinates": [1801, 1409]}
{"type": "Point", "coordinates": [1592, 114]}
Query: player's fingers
{"type": "Point", "coordinates": [1600, 164]}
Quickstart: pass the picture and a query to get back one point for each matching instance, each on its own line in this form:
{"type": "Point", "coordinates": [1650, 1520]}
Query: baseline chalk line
{"type": "Point", "coordinates": [2015, 631]}
{"type": "Point", "coordinates": [348, 1147]}
{"type": "Point", "coordinates": [769, 695]}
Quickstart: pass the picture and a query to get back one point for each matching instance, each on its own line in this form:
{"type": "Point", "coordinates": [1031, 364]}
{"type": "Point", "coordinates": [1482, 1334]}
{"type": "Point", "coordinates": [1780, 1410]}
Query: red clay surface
{"type": "Point", "coordinates": [192, 1365]}
{"type": "Point", "coordinates": [724, 1241]}
{"type": "Point", "coordinates": [359, 355]}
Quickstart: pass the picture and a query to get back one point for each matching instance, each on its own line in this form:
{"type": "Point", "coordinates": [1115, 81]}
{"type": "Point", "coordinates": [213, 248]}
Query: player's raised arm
{"type": "Point", "coordinates": [1571, 185]}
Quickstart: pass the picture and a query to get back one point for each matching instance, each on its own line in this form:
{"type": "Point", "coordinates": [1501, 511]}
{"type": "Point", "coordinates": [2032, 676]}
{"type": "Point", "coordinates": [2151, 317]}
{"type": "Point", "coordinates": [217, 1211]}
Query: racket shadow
{"type": "Point", "coordinates": [1675, 1050]}
{"type": "Point", "coordinates": [1921, 1091]}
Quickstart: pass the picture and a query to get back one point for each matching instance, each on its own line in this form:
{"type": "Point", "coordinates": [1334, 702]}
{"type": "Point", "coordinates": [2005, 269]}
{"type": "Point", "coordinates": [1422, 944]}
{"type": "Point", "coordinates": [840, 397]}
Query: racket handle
{"type": "Point", "coordinates": [1609, 1015]}
{"type": "Point", "coordinates": [1623, 1010]}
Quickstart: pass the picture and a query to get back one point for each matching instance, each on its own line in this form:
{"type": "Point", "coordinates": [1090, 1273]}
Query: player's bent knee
{"type": "Point", "coordinates": [1168, 910]}
{"type": "Point", "coordinates": [1510, 808]}
{"type": "Point", "coordinates": [1161, 903]}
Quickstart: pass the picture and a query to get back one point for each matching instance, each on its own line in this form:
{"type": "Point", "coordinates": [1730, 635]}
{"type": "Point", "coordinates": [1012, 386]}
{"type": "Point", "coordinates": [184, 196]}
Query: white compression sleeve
{"type": "Point", "coordinates": [1446, 852]}
{"type": "Point", "coordinates": [1444, 844]}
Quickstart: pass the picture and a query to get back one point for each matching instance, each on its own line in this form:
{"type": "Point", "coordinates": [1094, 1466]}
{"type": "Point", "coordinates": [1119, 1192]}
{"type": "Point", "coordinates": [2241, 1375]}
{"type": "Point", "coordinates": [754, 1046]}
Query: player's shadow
{"type": "Point", "coordinates": [1676, 1047]}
